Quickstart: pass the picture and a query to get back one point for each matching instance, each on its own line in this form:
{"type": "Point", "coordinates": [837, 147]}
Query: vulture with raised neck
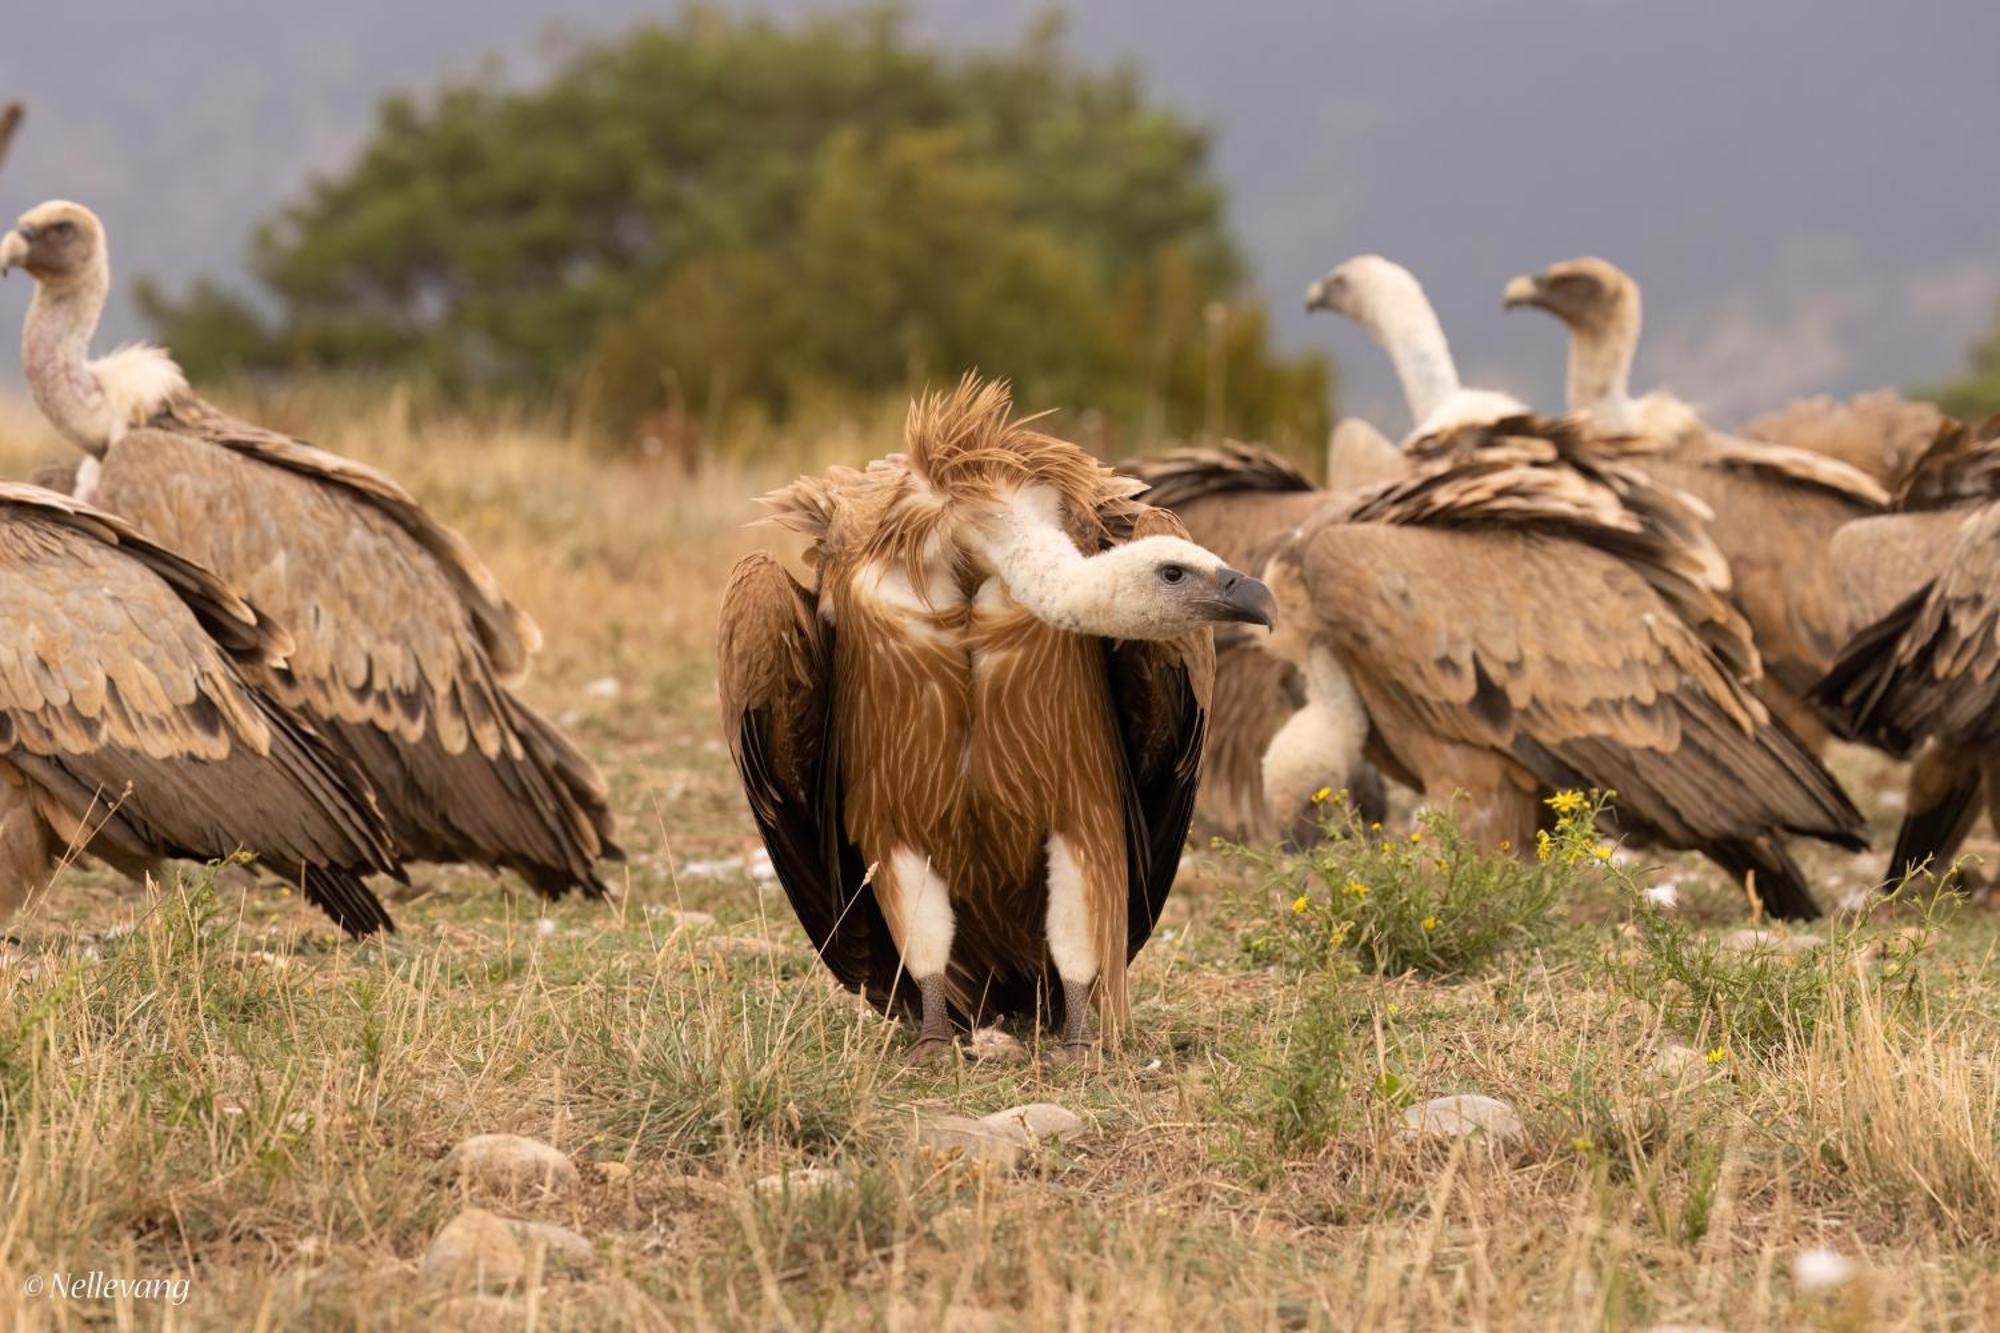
{"type": "Point", "coordinates": [1386, 299]}
{"type": "Point", "coordinates": [972, 743]}
{"type": "Point", "coordinates": [405, 646]}
{"type": "Point", "coordinates": [1775, 508]}
{"type": "Point", "coordinates": [1527, 612]}
{"type": "Point", "coordinates": [131, 727]}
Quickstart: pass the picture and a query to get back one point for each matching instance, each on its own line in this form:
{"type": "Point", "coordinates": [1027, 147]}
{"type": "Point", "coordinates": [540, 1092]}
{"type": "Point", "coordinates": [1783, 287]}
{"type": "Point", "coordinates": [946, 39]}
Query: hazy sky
{"type": "Point", "coordinates": [1808, 189]}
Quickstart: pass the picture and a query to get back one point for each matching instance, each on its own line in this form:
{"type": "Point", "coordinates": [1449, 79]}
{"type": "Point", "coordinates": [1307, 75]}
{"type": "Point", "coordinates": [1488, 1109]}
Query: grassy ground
{"type": "Point", "coordinates": [209, 1084]}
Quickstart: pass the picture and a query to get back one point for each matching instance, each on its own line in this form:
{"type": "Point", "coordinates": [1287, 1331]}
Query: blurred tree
{"type": "Point", "coordinates": [731, 209]}
{"type": "Point", "coordinates": [1974, 395]}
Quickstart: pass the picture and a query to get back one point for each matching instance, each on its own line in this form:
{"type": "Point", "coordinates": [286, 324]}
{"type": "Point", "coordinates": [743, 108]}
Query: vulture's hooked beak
{"type": "Point", "coordinates": [1524, 290]}
{"type": "Point", "coordinates": [1317, 298]}
{"type": "Point", "coordinates": [1240, 598]}
{"type": "Point", "coordinates": [14, 250]}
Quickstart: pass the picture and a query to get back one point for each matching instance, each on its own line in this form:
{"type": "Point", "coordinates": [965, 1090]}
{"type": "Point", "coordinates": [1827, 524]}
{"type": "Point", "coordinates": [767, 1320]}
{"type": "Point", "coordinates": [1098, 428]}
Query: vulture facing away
{"type": "Point", "coordinates": [405, 646]}
{"type": "Point", "coordinates": [1911, 678]}
{"type": "Point", "coordinates": [972, 744]}
{"type": "Point", "coordinates": [1881, 433]}
{"type": "Point", "coordinates": [1775, 508]}
{"type": "Point", "coordinates": [130, 727]}
{"type": "Point", "coordinates": [1528, 612]}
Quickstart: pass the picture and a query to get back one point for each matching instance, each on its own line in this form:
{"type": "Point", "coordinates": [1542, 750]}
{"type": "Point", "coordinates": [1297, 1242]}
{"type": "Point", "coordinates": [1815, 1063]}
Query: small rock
{"type": "Point", "coordinates": [1679, 1064]}
{"type": "Point", "coordinates": [995, 1045]}
{"type": "Point", "coordinates": [545, 925]}
{"type": "Point", "coordinates": [479, 1312]}
{"type": "Point", "coordinates": [760, 867]}
{"type": "Point", "coordinates": [722, 867]}
{"type": "Point", "coordinates": [1748, 941]}
{"type": "Point", "coordinates": [802, 1181]}
{"type": "Point", "coordinates": [1665, 896]}
{"type": "Point", "coordinates": [561, 1247]}
{"type": "Point", "coordinates": [475, 1249]}
{"type": "Point", "coordinates": [1036, 1121]}
{"type": "Point", "coordinates": [975, 1140]}
{"type": "Point", "coordinates": [681, 920]}
{"type": "Point", "coordinates": [1466, 1113]}
{"type": "Point", "coordinates": [512, 1162]}
{"type": "Point", "coordinates": [604, 687]}
{"type": "Point", "coordinates": [1821, 1269]}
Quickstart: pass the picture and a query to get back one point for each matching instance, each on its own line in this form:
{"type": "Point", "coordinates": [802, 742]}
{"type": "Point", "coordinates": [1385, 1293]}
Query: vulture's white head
{"type": "Point", "coordinates": [61, 245]}
{"type": "Point", "coordinates": [1369, 290]}
{"type": "Point", "coordinates": [1152, 588]}
{"type": "Point", "coordinates": [1162, 588]}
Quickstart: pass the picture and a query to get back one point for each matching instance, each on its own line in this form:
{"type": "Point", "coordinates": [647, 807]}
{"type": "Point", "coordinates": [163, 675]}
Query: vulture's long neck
{"type": "Point", "coordinates": [1600, 367]}
{"type": "Point", "coordinates": [1400, 317]}
{"type": "Point", "coordinates": [55, 354]}
{"type": "Point", "coordinates": [1028, 548]}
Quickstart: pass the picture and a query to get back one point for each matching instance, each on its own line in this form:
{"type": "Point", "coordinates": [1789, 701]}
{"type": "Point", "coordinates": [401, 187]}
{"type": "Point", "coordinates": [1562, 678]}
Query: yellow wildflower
{"type": "Point", "coordinates": [1543, 845]}
{"type": "Point", "coordinates": [1357, 888]}
{"type": "Point", "coordinates": [1319, 797]}
{"type": "Point", "coordinates": [1506, 846]}
{"type": "Point", "coordinates": [1430, 923]}
{"type": "Point", "coordinates": [1375, 827]}
{"type": "Point", "coordinates": [1602, 851]}
{"type": "Point", "coordinates": [1717, 1056]}
{"type": "Point", "coordinates": [1565, 802]}
{"type": "Point", "coordinates": [1416, 835]}
{"type": "Point", "coordinates": [1299, 903]}
{"type": "Point", "coordinates": [1580, 1143]}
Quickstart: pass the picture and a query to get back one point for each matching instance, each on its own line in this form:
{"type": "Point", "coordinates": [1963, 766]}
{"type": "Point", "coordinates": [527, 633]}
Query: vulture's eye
{"type": "Point", "coordinates": [1172, 573]}
{"type": "Point", "coordinates": [62, 231]}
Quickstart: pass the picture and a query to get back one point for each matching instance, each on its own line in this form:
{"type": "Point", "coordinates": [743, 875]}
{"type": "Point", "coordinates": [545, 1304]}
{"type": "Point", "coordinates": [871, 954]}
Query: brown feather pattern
{"type": "Point", "coordinates": [955, 724]}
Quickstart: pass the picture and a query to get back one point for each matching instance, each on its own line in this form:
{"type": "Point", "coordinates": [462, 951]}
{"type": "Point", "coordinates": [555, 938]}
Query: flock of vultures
{"type": "Point", "coordinates": [975, 740]}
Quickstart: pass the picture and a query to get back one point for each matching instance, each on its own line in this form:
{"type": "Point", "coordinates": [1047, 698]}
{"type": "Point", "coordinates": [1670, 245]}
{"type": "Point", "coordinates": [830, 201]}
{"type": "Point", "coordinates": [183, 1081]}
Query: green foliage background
{"type": "Point", "coordinates": [1975, 394]}
{"type": "Point", "coordinates": [726, 214]}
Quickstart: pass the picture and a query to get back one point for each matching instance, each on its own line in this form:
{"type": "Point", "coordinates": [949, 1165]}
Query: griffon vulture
{"type": "Point", "coordinates": [1881, 433]}
{"type": "Point", "coordinates": [1238, 501]}
{"type": "Point", "coordinates": [1527, 613]}
{"type": "Point", "coordinates": [130, 727]}
{"type": "Point", "coordinates": [1384, 298]}
{"type": "Point", "coordinates": [1776, 508]}
{"type": "Point", "coordinates": [1909, 577]}
{"type": "Point", "coordinates": [405, 645]}
{"type": "Point", "coordinates": [972, 745]}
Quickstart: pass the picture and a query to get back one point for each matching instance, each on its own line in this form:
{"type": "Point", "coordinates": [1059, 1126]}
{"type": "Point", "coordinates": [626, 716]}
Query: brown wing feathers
{"type": "Point", "coordinates": [404, 644]}
{"type": "Point", "coordinates": [122, 703]}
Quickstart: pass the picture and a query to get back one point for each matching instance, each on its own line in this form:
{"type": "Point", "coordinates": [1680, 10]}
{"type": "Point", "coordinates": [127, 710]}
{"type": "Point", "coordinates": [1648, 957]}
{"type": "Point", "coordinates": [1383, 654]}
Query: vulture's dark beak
{"type": "Point", "coordinates": [14, 249]}
{"type": "Point", "coordinates": [1316, 297]}
{"type": "Point", "coordinates": [1524, 290]}
{"type": "Point", "coordinates": [1240, 598]}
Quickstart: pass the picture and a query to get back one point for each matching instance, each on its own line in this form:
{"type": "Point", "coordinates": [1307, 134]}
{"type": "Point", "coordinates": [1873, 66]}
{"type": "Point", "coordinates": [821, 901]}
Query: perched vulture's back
{"type": "Point", "coordinates": [1531, 611]}
{"type": "Point", "coordinates": [405, 645]}
{"type": "Point", "coordinates": [129, 726]}
{"type": "Point", "coordinates": [1880, 433]}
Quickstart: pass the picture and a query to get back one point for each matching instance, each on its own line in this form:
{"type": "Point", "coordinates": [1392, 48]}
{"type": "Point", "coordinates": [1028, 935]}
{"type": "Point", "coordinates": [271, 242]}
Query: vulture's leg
{"type": "Point", "coordinates": [1084, 897]}
{"type": "Point", "coordinates": [916, 904]}
{"type": "Point", "coordinates": [1942, 807]}
{"type": "Point", "coordinates": [25, 863]}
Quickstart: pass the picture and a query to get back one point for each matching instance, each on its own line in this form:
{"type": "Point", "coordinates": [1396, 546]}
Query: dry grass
{"type": "Point", "coordinates": [210, 1085]}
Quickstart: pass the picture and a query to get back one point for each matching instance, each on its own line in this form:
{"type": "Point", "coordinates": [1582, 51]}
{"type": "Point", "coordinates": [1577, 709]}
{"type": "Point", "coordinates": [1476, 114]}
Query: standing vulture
{"type": "Point", "coordinates": [1911, 579]}
{"type": "Point", "coordinates": [1526, 613]}
{"type": "Point", "coordinates": [972, 745]}
{"type": "Point", "coordinates": [1776, 508]}
{"type": "Point", "coordinates": [405, 645]}
{"type": "Point", "coordinates": [1238, 501]}
{"type": "Point", "coordinates": [130, 726]}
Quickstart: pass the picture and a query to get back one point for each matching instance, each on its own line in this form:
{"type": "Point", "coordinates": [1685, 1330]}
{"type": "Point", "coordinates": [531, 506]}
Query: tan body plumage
{"type": "Point", "coordinates": [1880, 433]}
{"type": "Point", "coordinates": [130, 726]}
{"type": "Point", "coordinates": [1530, 612]}
{"type": "Point", "coordinates": [975, 802]}
{"type": "Point", "coordinates": [405, 645]}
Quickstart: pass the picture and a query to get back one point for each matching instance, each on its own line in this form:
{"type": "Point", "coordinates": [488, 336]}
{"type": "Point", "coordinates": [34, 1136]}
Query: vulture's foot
{"type": "Point", "coordinates": [934, 1037]}
{"type": "Point", "coordinates": [928, 1050]}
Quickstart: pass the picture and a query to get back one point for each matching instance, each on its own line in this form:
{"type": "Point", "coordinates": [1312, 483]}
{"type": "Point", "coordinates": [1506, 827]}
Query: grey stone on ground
{"type": "Point", "coordinates": [1037, 1121]}
{"type": "Point", "coordinates": [561, 1247]}
{"type": "Point", "coordinates": [512, 1163]}
{"type": "Point", "coordinates": [1748, 940]}
{"type": "Point", "coordinates": [975, 1140]}
{"type": "Point", "coordinates": [1463, 1114]}
{"type": "Point", "coordinates": [801, 1181]}
{"type": "Point", "coordinates": [476, 1250]}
